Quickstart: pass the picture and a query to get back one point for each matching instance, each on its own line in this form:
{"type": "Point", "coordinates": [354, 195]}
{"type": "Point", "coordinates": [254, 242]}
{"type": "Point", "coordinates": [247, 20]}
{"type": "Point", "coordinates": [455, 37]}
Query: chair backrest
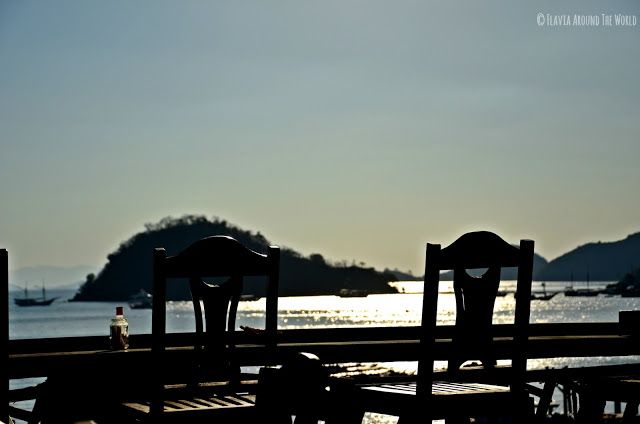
{"type": "Point", "coordinates": [4, 325]}
{"type": "Point", "coordinates": [211, 257]}
{"type": "Point", "coordinates": [475, 298]}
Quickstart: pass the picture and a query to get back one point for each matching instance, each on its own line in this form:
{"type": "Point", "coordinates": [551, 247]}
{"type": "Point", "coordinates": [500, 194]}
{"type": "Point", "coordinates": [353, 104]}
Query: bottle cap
{"type": "Point", "coordinates": [119, 310]}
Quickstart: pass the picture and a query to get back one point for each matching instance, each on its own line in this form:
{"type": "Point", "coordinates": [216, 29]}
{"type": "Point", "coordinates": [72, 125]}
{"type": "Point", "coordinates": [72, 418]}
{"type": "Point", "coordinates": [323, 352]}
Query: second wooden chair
{"type": "Point", "coordinates": [474, 336]}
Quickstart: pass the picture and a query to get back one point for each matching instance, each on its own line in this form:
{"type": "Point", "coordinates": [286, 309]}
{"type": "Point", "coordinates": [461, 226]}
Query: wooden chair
{"type": "Point", "coordinates": [214, 389]}
{"type": "Point", "coordinates": [455, 399]}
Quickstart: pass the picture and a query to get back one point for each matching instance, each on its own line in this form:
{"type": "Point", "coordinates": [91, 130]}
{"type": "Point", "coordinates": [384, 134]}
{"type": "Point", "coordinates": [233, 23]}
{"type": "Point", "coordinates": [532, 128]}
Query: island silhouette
{"type": "Point", "coordinates": [129, 269]}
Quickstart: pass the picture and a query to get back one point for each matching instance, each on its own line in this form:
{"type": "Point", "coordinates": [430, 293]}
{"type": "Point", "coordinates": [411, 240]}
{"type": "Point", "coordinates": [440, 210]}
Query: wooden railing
{"type": "Point", "coordinates": [40, 357]}
{"type": "Point", "coordinates": [87, 364]}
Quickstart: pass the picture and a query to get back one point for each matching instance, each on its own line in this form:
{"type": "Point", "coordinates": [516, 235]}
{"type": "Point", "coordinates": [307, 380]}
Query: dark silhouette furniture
{"type": "Point", "coordinates": [4, 327]}
{"type": "Point", "coordinates": [595, 391]}
{"type": "Point", "coordinates": [213, 388]}
{"type": "Point", "coordinates": [296, 389]}
{"type": "Point", "coordinates": [9, 397]}
{"type": "Point", "coordinates": [455, 399]}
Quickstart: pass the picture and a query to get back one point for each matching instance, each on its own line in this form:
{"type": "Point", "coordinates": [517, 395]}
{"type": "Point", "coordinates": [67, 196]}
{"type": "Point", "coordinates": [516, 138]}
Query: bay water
{"type": "Point", "coordinates": [63, 318]}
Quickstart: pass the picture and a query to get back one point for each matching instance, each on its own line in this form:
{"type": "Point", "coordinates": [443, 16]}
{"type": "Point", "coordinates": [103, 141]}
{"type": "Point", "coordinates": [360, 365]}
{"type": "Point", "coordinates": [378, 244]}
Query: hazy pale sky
{"type": "Point", "coordinates": [357, 129]}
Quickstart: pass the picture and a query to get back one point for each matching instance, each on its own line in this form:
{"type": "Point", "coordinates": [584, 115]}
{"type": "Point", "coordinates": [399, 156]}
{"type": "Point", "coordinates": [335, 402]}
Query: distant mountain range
{"type": "Point", "coordinates": [128, 269]}
{"type": "Point", "coordinates": [600, 261]}
{"type": "Point", "coordinates": [50, 276]}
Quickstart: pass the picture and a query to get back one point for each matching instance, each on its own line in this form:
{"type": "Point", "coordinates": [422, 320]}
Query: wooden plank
{"type": "Point", "coordinates": [440, 388]}
{"type": "Point", "coordinates": [181, 405]}
{"type": "Point", "coordinates": [143, 407]}
{"type": "Point", "coordinates": [354, 334]}
{"type": "Point", "coordinates": [246, 398]}
{"type": "Point", "coordinates": [206, 402]}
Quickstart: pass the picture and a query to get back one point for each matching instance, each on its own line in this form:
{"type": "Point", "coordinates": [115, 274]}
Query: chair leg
{"type": "Point", "coordinates": [415, 415]}
{"type": "Point", "coordinates": [590, 410]}
{"type": "Point", "coordinates": [343, 403]}
{"type": "Point", "coordinates": [545, 401]}
{"type": "Point", "coordinates": [342, 407]}
{"type": "Point", "coordinates": [346, 416]}
{"type": "Point", "coordinates": [305, 419]}
{"type": "Point", "coordinates": [408, 419]}
{"type": "Point", "coordinates": [528, 412]}
{"type": "Point", "coordinates": [276, 417]}
{"type": "Point", "coordinates": [630, 412]}
{"type": "Point", "coordinates": [457, 420]}
{"type": "Point", "coordinates": [36, 417]}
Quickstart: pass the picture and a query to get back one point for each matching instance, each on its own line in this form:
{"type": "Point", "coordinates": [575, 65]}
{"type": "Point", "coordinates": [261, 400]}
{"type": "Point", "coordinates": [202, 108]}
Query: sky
{"type": "Point", "coordinates": [357, 129]}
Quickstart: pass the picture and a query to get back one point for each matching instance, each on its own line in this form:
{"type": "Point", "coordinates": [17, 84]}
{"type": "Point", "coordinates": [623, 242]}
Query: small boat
{"type": "Point", "coordinates": [571, 292]}
{"type": "Point", "coordinates": [353, 293]}
{"type": "Point", "coordinates": [141, 300]}
{"type": "Point", "coordinates": [32, 301]}
{"type": "Point", "coordinates": [249, 297]}
{"type": "Point", "coordinates": [544, 295]}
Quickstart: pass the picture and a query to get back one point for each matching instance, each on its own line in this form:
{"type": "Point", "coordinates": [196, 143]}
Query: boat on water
{"type": "Point", "coordinates": [544, 295]}
{"type": "Point", "coordinates": [249, 297]}
{"type": "Point", "coordinates": [33, 301]}
{"type": "Point", "coordinates": [571, 292]}
{"type": "Point", "coordinates": [141, 300]}
{"type": "Point", "coordinates": [353, 293]}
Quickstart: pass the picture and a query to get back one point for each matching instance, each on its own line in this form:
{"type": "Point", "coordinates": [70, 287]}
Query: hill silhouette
{"type": "Point", "coordinates": [128, 269]}
{"type": "Point", "coordinates": [628, 286]}
{"type": "Point", "coordinates": [599, 261]}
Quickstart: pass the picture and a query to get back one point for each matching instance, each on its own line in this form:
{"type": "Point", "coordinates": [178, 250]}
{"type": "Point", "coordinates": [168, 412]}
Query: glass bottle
{"type": "Point", "coordinates": [119, 330]}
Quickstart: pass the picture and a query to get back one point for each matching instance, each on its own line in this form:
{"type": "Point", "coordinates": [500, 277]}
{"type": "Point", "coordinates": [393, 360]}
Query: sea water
{"type": "Point", "coordinates": [63, 318]}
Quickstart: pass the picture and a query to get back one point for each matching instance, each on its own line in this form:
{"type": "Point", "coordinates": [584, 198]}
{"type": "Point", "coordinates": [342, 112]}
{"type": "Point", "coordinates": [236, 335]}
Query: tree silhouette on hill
{"type": "Point", "coordinates": [129, 268]}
